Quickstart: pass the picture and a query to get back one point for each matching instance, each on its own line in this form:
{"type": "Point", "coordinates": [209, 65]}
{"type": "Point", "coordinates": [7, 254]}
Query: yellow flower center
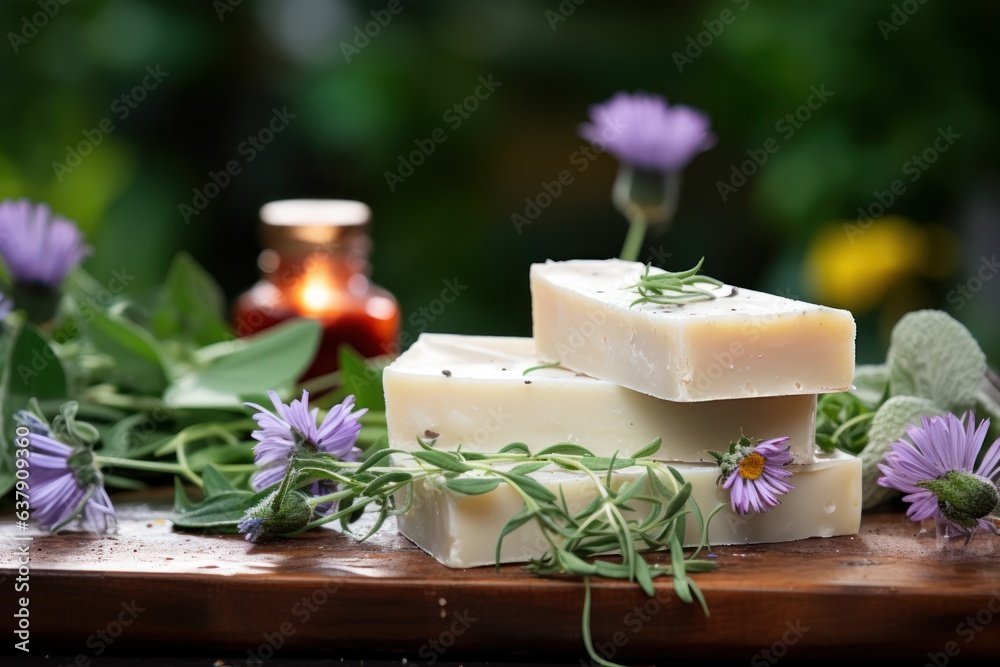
{"type": "Point", "coordinates": [752, 466]}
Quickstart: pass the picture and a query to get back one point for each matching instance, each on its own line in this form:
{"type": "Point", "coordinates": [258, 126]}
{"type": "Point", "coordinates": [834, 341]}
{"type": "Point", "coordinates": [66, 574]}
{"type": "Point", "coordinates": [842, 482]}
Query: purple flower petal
{"type": "Point", "coordinates": [938, 446]}
{"type": "Point", "coordinates": [57, 492]}
{"type": "Point", "coordinates": [642, 130]}
{"type": "Point", "coordinates": [279, 434]}
{"type": "Point", "coordinates": [37, 246]}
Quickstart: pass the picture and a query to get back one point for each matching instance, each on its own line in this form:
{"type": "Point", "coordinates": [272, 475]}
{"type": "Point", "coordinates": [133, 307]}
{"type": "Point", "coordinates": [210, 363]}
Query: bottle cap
{"type": "Point", "coordinates": [308, 224]}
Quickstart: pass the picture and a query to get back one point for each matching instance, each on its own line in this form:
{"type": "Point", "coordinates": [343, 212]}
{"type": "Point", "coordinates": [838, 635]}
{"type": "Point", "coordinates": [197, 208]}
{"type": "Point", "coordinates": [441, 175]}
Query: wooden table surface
{"type": "Point", "coordinates": [891, 592]}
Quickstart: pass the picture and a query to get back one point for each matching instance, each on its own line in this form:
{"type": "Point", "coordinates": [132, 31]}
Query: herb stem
{"type": "Point", "coordinates": [853, 421]}
{"type": "Point", "coordinates": [633, 240]}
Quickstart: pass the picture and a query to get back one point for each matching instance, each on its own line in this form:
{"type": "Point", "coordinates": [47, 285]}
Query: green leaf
{"type": "Point", "coordinates": [127, 483]}
{"type": "Point", "coordinates": [932, 355]}
{"type": "Point", "coordinates": [528, 468]}
{"type": "Point", "coordinates": [386, 479]}
{"type": "Point", "coordinates": [221, 511]}
{"type": "Point", "coordinates": [871, 383]}
{"type": "Point", "coordinates": [219, 454]}
{"type": "Point", "coordinates": [888, 426]}
{"type": "Point", "coordinates": [362, 378]}
{"type": "Point", "coordinates": [573, 564]}
{"type": "Point", "coordinates": [137, 355]}
{"type": "Point", "coordinates": [181, 502]}
{"type": "Point", "coordinates": [530, 486]}
{"type": "Point", "coordinates": [245, 369]}
{"type": "Point", "coordinates": [191, 305]}
{"type": "Point", "coordinates": [473, 486]}
{"type": "Point", "coordinates": [567, 448]}
{"type": "Point", "coordinates": [516, 521]}
{"type": "Point", "coordinates": [215, 482]}
{"type": "Point", "coordinates": [515, 448]}
{"type": "Point", "coordinates": [32, 370]}
{"type": "Point", "coordinates": [649, 450]}
{"type": "Point", "coordinates": [441, 460]}
{"type": "Point", "coordinates": [604, 463]}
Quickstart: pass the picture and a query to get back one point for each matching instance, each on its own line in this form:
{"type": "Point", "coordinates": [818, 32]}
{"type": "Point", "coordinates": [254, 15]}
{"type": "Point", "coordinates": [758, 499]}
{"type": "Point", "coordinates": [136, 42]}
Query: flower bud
{"type": "Point", "coordinates": [263, 520]}
{"type": "Point", "coordinates": [963, 497]}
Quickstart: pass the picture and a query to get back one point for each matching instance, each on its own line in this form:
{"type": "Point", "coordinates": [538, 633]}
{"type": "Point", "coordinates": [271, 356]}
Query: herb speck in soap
{"type": "Point", "coordinates": [446, 373]}
{"type": "Point", "coordinates": [527, 382]}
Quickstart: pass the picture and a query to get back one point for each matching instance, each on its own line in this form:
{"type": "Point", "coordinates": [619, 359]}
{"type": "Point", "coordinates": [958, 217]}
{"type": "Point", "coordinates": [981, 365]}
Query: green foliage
{"type": "Point", "coordinates": [934, 366]}
{"type": "Point", "coordinates": [632, 518]}
{"type": "Point", "coordinates": [229, 373]}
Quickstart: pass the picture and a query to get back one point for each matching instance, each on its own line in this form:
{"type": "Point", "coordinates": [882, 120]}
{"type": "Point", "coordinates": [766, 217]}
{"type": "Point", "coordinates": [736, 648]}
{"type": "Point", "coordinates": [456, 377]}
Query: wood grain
{"type": "Point", "coordinates": [890, 592]}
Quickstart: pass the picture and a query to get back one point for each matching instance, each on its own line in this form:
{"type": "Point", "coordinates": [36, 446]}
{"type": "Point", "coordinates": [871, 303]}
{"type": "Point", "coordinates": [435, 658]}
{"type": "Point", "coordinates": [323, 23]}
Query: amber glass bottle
{"type": "Point", "coordinates": [316, 265]}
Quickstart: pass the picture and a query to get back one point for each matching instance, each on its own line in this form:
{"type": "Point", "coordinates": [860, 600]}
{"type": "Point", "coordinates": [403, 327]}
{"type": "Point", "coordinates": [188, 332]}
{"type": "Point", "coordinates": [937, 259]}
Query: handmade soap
{"type": "Point", "coordinates": [461, 531]}
{"type": "Point", "coordinates": [741, 344]}
{"type": "Point", "coordinates": [472, 390]}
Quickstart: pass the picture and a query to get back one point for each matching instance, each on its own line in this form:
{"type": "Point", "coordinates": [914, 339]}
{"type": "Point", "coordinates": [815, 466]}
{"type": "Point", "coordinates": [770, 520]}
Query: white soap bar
{"type": "Point", "coordinates": [472, 390]}
{"type": "Point", "coordinates": [461, 531]}
{"type": "Point", "coordinates": [745, 345]}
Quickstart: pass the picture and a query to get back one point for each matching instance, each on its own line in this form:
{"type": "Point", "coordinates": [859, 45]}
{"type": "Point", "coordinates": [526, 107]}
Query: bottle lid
{"type": "Point", "coordinates": [304, 223]}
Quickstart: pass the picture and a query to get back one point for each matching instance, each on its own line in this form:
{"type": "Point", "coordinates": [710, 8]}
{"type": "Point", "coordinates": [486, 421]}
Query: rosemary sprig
{"type": "Point", "coordinates": [631, 518]}
{"type": "Point", "coordinates": [674, 288]}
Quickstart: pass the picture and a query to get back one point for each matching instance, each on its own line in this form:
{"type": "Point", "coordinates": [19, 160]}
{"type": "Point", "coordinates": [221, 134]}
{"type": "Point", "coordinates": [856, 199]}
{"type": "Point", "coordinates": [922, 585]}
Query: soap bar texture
{"type": "Point", "coordinates": [742, 344]}
{"type": "Point", "coordinates": [472, 390]}
{"type": "Point", "coordinates": [461, 531]}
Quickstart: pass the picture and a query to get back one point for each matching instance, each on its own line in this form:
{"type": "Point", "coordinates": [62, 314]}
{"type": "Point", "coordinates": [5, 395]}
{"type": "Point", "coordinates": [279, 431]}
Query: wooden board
{"type": "Point", "coordinates": [890, 592]}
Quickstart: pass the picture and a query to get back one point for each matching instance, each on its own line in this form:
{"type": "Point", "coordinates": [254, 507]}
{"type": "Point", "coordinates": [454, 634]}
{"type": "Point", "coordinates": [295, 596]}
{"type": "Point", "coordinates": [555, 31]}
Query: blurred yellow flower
{"type": "Point", "coordinates": [854, 268]}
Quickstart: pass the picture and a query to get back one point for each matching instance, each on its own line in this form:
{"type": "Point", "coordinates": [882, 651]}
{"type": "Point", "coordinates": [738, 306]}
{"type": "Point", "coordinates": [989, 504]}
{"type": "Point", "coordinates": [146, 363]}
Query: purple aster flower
{"type": "Point", "coordinates": [937, 470]}
{"type": "Point", "coordinates": [294, 427]}
{"type": "Point", "coordinates": [39, 248]}
{"type": "Point", "coordinates": [755, 474]}
{"type": "Point", "coordinates": [65, 482]}
{"type": "Point", "coordinates": [643, 131]}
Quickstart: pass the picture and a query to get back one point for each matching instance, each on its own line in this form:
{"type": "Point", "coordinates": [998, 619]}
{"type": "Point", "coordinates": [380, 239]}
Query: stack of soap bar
{"type": "Point", "coordinates": [742, 344]}
{"type": "Point", "coordinates": [697, 375]}
{"type": "Point", "coordinates": [461, 531]}
{"type": "Point", "coordinates": [471, 390]}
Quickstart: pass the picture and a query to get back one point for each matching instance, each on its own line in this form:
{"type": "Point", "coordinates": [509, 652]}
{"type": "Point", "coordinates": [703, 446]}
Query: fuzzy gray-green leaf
{"type": "Point", "coordinates": [934, 356]}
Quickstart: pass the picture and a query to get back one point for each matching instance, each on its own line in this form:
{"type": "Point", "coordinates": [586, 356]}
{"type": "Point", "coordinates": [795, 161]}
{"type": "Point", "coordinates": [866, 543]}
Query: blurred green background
{"type": "Point", "coordinates": [898, 73]}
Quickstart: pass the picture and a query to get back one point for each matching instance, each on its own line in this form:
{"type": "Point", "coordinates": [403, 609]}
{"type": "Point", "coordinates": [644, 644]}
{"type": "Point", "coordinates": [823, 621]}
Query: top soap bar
{"type": "Point", "coordinates": [742, 344]}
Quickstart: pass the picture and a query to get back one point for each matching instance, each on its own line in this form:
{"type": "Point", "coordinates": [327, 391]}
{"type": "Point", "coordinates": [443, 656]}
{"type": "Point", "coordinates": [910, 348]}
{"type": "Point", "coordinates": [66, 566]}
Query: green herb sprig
{"type": "Point", "coordinates": [674, 288]}
{"type": "Point", "coordinates": [633, 518]}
